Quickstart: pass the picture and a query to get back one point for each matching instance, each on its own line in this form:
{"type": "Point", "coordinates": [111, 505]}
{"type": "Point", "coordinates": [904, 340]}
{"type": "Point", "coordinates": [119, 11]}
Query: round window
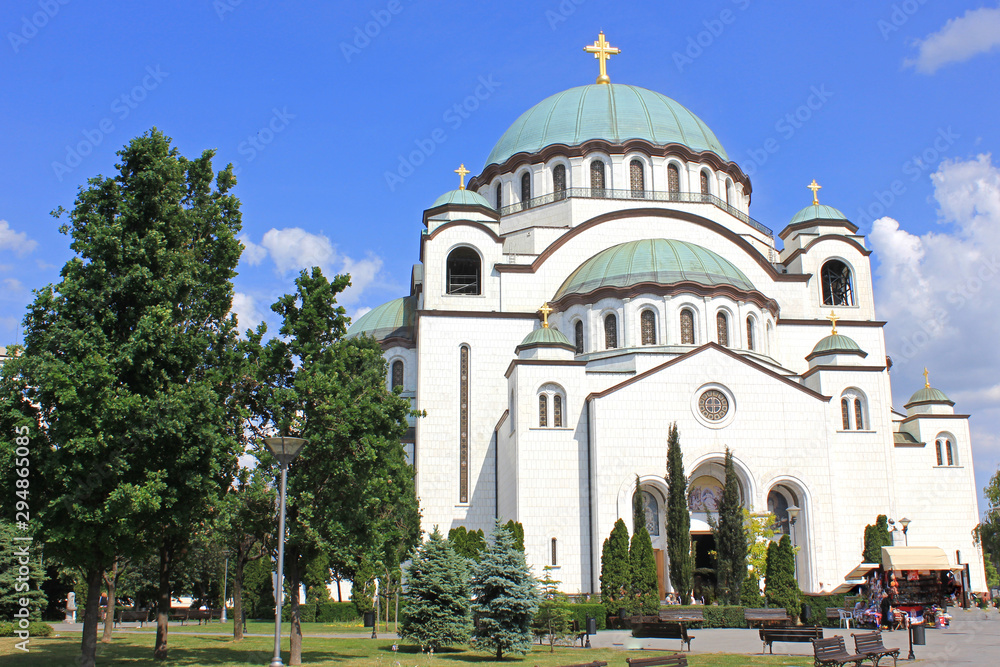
{"type": "Point", "coordinates": [714, 405]}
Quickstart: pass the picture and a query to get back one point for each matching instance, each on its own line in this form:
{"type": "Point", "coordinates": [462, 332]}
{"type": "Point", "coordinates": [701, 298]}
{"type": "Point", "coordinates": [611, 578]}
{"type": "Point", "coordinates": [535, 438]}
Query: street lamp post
{"type": "Point", "coordinates": [905, 523]}
{"type": "Point", "coordinates": [793, 516]}
{"type": "Point", "coordinates": [284, 450]}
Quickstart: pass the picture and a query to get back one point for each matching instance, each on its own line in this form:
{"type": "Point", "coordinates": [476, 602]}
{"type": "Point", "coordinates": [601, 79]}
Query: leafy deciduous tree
{"type": "Point", "coordinates": [553, 617]}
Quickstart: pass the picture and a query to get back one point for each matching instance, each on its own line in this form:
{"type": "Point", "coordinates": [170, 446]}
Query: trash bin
{"type": "Point", "coordinates": [591, 625]}
{"type": "Point", "coordinates": [369, 619]}
{"type": "Point", "coordinates": [917, 635]}
{"type": "Point", "coordinates": [807, 613]}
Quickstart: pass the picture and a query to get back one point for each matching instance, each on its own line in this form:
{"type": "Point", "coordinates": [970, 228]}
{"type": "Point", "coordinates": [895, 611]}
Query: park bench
{"type": "Point", "coordinates": [682, 615]}
{"type": "Point", "coordinates": [675, 660]}
{"type": "Point", "coordinates": [132, 615]}
{"type": "Point", "coordinates": [805, 634]}
{"type": "Point", "coordinates": [870, 644]}
{"type": "Point", "coordinates": [766, 617]}
{"type": "Point", "coordinates": [833, 652]}
{"type": "Point", "coordinates": [596, 663]}
{"type": "Point", "coordinates": [654, 626]}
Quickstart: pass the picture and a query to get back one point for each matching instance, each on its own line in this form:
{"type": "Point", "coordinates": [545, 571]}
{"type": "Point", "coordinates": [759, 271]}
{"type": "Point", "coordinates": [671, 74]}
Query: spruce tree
{"type": "Point", "coordinates": [643, 587]}
{"type": "Point", "coordinates": [505, 597]}
{"type": "Point", "coordinates": [437, 596]}
{"type": "Point", "coordinates": [730, 538]}
{"type": "Point", "coordinates": [678, 520]}
{"type": "Point", "coordinates": [615, 570]}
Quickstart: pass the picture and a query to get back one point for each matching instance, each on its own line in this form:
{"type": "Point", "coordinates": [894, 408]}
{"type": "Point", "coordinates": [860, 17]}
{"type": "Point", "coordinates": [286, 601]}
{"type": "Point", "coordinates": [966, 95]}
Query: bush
{"type": "Point", "coordinates": [337, 612]}
{"type": "Point", "coordinates": [35, 629]}
{"type": "Point", "coordinates": [819, 603]}
{"type": "Point", "coordinates": [716, 616]}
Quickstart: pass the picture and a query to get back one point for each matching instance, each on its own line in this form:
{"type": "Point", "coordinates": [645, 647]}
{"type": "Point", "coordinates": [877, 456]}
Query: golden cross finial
{"type": "Point", "coordinates": [927, 379]}
{"type": "Point", "coordinates": [462, 171]}
{"type": "Point", "coordinates": [833, 317]}
{"type": "Point", "coordinates": [815, 187]}
{"type": "Point", "coordinates": [602, 51]}
{"type": "Point", "coordinates": [545, 310]}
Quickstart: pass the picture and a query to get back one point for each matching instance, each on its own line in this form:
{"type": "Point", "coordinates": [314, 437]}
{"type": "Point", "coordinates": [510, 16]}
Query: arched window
{"type": "Point", "coordinates": [610, 332]}
{"type": "Point", "coordinates": [397, 374]}
{"type": "Point", "coordinates": [673, 178]}
{"type": "Point", "coordinates": [525, 189]}
{"type": "Point", "coordinates": [769, 341]}
{"type": "Point", "coordinates": [557, 411]}
{"type": "Point", "coordinates": [845, 410]}
{"type": "Point", "coordinates": [838, 288]}
{"type": "Point", "coordinates": [751, 337]}
{"type": "Point", "coordinates": [778, 502]}
{"type": "Point", "coordinates": [543, 410]}
{"type": "Point", "coordinates": [551, 393]}
{"type": "Point", "coordinates": [704, 183]}
{"type": "Point", "coordinates": [647, 322]}
{"type": "Point", "coordinates": [512, 411]}
{"type": "Point", "coordinates": [687, 327]}
{"type": "Point", "coordinates": [945, 451]}
{"type": "Point", "coordinates": [637, 179]}
{"type": "Point", "coordinates": [859, 415]}
{"type": "Point", "coordinates": [559, 181]}
{"type": "Point", "coordinates": [948, 450]}
{"type": "Point", "coordinates": [499, 195]}
{"type": "Point", "coordinates": [651, 511]}
{"type": "Point", "coordinates": [854, 410]}
{"type": "Point", "coordinates": [463, 426]}
{"type": "Point", "coordinates": [463, 271]}
{"type": "Point", "coordinates": [597, 178]}
{"type": "Point", "coordinates": [578, 330]}
{"type": "Point", "coordinates": [729, 187]}
{"type": "Point", "coordinates": [722, 328]}
{"type": "Point", "coordinates": [554, 561]}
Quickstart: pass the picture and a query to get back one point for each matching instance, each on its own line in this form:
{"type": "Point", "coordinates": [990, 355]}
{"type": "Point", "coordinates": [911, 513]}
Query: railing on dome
{"type": "Point", "coordinates": [632, 195]}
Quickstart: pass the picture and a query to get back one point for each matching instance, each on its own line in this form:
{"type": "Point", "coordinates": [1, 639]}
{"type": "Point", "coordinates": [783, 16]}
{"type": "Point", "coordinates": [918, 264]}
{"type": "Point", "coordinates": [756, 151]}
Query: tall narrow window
{"type": "Point", "coordinates": [578, 331]}
{"type": "Point", "coordinates": [770, 338]}
{"type": "Point", "coordinates": [463, 271]}
{"type": "Point", "coordinates": [636, 178]}
{"type": "Point", "coordinates": [673, 178]}
{"type": "Point", "coordinates": [751, 335]}
{"type": "Point", "coordinates": [525, 189]}
{"type": "Point", "coordinates": [704, 183]}
{"type": "Point", "coordinates": [554, 561]}
{"type": "Point", "coordinates": [729, 187]}
{"type": "Point", "coordinates": [940, 457]}
{"type": "Point", "coordinates": [845, 410]}
{"type": "Point", "coordinates": [559, 181]}
{"type": "Point", "coordinates": [543, 410]}
{"type": "Point", "coordinates": [838, 289]}
{"type": "Point", "coordinates": [947, 449]}
{"type": "Point", "coordinates": [463, 426]}
{"type": "Point", "coordinates": [610, 332]}
{"type": "Point", "coordinates": [557, 411]}
{"type": "Point", "coordinates": [859, 415]}
{"type": "Point", "coordinates": [397, 374]}
{"type": "Point", "coordinates": [499, 196]}
{"type": "Point", "coordinates": [648, 323]}
{"type": "Point", "coordinates": [597, 178]}
{"type": "Point", "coordinates": [687, 327]}
{"type": "Point", "coordinates": [722, 329]}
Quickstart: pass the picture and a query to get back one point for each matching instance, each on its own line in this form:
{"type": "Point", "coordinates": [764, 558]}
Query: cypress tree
{"type": "Point", "coordinates": [437, 596]}
{"type": "Point", "coordinates": [615, 570]}
{"type": "Point", "coordinates": [644, 590]}
{"type": "Point", "coordinates": [876, 537]}
{"type": "Point", "coordinates": [516, 531]}
{"type": "Point", "coordinates": [730, 538]}
{"type": "Point", "coordinates": [468, 543]}
{"type": "Point", "coordinates": [505, 597]}
{"type": "Point", "coordinates": [781, 589]}
{"type": "Point", "coordinates": [678, 520]}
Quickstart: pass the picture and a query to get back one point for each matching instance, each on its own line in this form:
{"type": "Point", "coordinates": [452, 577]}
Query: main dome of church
{"type": "Point", "coordinates": [611, 112]}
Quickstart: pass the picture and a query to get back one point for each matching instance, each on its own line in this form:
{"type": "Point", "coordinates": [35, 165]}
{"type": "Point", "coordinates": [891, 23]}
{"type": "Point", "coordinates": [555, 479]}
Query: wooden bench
{"type": "Point", "coordinates": [653, 626]}
{"type": "Point", "coordinates": [675, 660]}
{"type": "Point", "coordinates": [682, 615]}
{"type": "Point", "coordinates": [870, 644]}
{"type": "Point", "coordinates": [132, 615]}
{"type": "Point", "coordinates": [769, 617]}
{"type": "Point", "coordinates": [596, 663]}
{"type": "Point", "coordinates": [833, 652]}
{"type": "Point", "coordinates": [771, 635]}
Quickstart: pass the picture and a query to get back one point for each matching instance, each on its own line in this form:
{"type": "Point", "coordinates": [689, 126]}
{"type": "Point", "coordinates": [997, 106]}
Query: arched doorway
{"type": "Point", "coordinates": [782, 495]}
{"type": "Point", "coordinates": [653, 498]}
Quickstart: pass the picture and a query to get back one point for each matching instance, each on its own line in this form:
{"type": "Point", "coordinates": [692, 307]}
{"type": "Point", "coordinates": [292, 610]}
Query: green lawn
{"type": "Point", "coordinates": [188, 650]}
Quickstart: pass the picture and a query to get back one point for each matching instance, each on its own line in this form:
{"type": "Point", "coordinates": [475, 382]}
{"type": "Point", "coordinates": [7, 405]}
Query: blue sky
{"type": "Point", "coordinates": [891, 106]}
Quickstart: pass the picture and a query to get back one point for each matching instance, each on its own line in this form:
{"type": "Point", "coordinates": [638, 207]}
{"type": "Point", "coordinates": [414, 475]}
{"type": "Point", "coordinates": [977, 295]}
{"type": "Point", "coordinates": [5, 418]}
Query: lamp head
{"type": "Point", "coordinates": [905, 523]}
{"type": "Point", "coordinates": [793, 513]}
{"type": "Point", "coordinates": [285, 449]}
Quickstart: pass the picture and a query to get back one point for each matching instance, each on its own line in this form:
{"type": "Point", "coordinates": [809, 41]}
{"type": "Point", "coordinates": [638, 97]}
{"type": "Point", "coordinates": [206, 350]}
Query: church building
{"type": "Point", "coordinates": [602, 278]}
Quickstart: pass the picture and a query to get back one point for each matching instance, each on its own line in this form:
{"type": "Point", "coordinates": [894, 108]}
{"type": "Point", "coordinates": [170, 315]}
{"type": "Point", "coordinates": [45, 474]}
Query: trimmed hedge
{"type": "Point", "coordinates": [819, 603]}
{"type": "Point", "coordinates": [580, 612]}
{"type": "Point", "coordinates": [339, 612]}
{"type": "Point", "coordinates": [35, 629]}
{"type": "Point", "coordinates": [716, 616]}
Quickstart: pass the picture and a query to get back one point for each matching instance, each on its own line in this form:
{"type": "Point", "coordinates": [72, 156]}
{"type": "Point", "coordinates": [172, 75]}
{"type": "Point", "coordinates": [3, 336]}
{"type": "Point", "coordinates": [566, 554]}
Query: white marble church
{"type": "Point", "coordinates": [601, 278]}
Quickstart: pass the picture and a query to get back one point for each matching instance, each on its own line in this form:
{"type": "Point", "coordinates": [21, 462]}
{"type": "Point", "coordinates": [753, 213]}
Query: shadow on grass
{"type": "Point", "coordinates": [453, 654]}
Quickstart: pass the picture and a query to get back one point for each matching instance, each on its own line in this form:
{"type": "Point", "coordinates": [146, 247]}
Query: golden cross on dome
{"type": "Point", "coordinates": [833, 317]}
{"type": "Point", "coordinates": [927, 379]}
{"type": "Point", "coordinates": [602, 51]}
{"type": "Point", "coordinates": [462, 171]}
{"type": "Point", "coordinates": [815, 187]}
{"type": "Point", "coordinates": [545, 310]}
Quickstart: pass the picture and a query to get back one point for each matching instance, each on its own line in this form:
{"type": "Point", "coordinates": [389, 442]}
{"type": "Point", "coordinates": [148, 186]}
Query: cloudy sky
{"type": "Point", "coordinates": [345, 120]}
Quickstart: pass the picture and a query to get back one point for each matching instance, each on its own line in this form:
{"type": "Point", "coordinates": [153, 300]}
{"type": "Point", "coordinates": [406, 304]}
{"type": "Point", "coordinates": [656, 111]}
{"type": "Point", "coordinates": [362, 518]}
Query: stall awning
{"type": "Point", "coordinates": [860, 571]}
{"type": "Point", "coordinates": [844, 587]}
{"type": "Point", "coordinates": [915, 558]}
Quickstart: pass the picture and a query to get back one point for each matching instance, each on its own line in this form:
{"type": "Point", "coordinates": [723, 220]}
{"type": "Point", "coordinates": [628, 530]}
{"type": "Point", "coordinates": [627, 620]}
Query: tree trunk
{"type": "Point", "coordinates": [88, 644]}
{"type": "Point", "coordinates": [109, 617]}
{"type": "Point", "coordinates": [340, 596]}
{"type": "Point", "coordinates": [238, 594]}
{"type": "Point", "coordinates": [295, 635]}
{"type": "Point", "coordinates": [163, 602]}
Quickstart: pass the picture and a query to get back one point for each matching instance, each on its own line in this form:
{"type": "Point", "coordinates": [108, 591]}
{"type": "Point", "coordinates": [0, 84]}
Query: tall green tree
{"type": "Point", "coordinates": [876, 537]}
{"type": "Point", "coordinates": [351, 486]}
{"type": "Point", "coordinates": [730, 538]}
{"type": "Point", "coordinates": [258, 590]}
{"type": "Point", "coordinates": [468, 543]}
{"type": "Point", "coordinates": [438, 607]}
{"type": "Point", "coordinates": [678, 519]}
{"type": "Point", "coordinates": [781, 588]}
{"type": "Point", "coordinates": [553, 617]}
{"type": "Point", "coordinates": [615, 570]}
{"type": "Point", "coordinates": [644, 590]}
{"type": "Point", "coordinates": [987, 533]}
{"type": "Point", "coordinates": [505, 597]}
{"type": "Point", "coordinates": [758, 531]}
{"type": "Point", "coordinates": [125, 383]}
{"type": "Point", "coordinates": [517, 532]}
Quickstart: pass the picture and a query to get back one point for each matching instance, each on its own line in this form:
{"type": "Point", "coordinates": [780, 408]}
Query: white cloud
{"type": "Point", "coordinates": [248, 315]}
{"type": "Point", "coordinates": [16, 241]}
{"type": "Point", "coordinates": [252, 253]}
{"type": "Point", "coordinates": [960, 39]}
{"type": "Point", "coordinates": [294, 249]}
{"type": "Point", "coordinates": [13, 285]}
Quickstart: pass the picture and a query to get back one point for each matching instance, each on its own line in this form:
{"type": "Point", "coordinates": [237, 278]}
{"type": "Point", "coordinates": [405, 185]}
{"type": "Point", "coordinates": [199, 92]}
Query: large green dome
{"type": "Point", "coordinates": [613, 112]}
{"type": "Point", "coordinates": [836, 344]}
{"type": "Point", "coordinates": [390, 320]}
{"type": "Point", "coordinates": [661, 261]}
{"type": "Point", "coordinates": [817, 212]}
{"type": "Point", "coordinates": [929, 395]}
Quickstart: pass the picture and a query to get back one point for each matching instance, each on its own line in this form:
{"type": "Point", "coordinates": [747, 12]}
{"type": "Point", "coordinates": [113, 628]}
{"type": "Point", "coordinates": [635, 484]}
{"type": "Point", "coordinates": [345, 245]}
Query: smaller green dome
{"type": "Point", "coordinates": [464, 197]}
{"type": "Point", "coordinates": [390, 320]}
{"type": "Point", "coordinates": [836, 344]}
{"type": "Point", "coordinates": [929, 395]}
{"type": "Point", "coordinates": [546, 337]}
{"type": "Point", "coordinates": [817, 212]}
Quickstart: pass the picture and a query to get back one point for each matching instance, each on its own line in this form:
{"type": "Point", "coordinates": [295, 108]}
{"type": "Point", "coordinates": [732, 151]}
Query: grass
{"type": "Point", "coordinates": [193, 651]}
